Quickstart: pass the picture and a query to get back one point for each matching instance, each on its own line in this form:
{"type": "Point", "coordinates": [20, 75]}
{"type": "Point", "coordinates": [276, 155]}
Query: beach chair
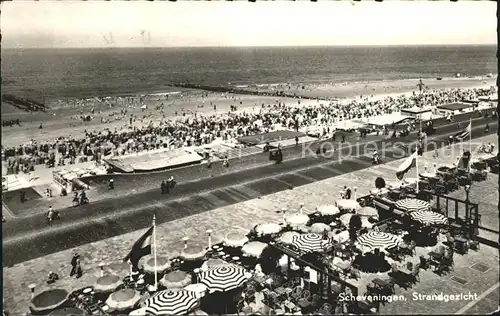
{"type": "Point", "coordinates": [411, 247]}
{"type": "Point", "coordinates": [297, 292]}
{"type": "Point", "coordinates": [416, 273]}
{"type": "Point", "coordinates": [423, 262]}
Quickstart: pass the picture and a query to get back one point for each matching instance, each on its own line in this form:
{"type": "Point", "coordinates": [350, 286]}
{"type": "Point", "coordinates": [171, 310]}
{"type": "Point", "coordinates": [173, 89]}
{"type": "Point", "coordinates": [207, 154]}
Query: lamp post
{"type": "Point", "coordinates": [209, 232]}
{"type": "Point", "coordinates": [467, 215]}
{"type": "Point", "coordinates": [32, 287]}
{"type": "Point", "coordinates": [284, 210]}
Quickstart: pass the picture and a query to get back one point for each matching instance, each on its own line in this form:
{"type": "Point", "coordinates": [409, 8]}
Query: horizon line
{"type": "Point", "coordinates": [250, 46]}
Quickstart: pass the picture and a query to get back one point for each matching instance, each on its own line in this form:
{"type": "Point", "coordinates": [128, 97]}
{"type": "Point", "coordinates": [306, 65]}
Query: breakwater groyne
{"type": "Point", "coordinates": [24, 103]}
{"type": "Point", "coordinates": [235, 90]}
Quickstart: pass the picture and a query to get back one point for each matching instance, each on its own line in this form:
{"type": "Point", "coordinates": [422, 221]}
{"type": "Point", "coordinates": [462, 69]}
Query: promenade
{"type": "Point", "coordinates": [243, 216]}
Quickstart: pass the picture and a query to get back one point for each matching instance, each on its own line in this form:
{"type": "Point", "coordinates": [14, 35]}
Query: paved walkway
{"type": "Point", "coordinates": [244, 216]}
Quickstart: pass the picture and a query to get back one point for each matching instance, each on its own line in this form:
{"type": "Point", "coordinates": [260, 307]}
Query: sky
{"type": "Point", "coordinates": [50, 24]}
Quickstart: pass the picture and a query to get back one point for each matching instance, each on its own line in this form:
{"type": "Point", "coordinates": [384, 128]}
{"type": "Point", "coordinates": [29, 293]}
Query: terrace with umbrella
{"type": "Point", "coordinates": [276, 265]}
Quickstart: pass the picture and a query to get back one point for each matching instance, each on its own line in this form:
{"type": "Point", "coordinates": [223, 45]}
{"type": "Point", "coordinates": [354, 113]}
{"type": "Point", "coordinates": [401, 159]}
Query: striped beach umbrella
{"type": "Point", "coordinates": [429, 217]}
{"type": "Point", "coordinates": [224, 278]}
{"type": "Point", "coordinates": [310, 242]}
{"type": "Point", "coordinates": [380, 240]}
{"type": "Point", "coordinates": [171, 303]}
{"type": "Point", "coordinates": [411, 205]}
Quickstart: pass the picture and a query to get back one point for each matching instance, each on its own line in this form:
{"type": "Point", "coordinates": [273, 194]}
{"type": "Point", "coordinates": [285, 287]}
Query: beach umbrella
{"type": "Point", "coordinates": [297, 220]}
{"type": "Point", "coordinates": [319, 228]}
{"type": "Point", "coordinates": [69, 311]}
{"type": "Point", "coordinates": [171, 303]}
{"type": "Point", "coordinates": [367, 211]}
{"type": "Point", "coordinates": [287, 237]}
{"type": "Point", "coordinates": [411, 205]}
{"type": "Point", "coordinates": [196, 288]}
{"type": "Point", "coordinates": [107, 283]}
{"type": "Point", "coordinates": [254, 248]}
{"type": "Point", "coordinates": [311, 242]}
{"type": "Point", "coordinates": [49, 300]}
{"type": "Point", "coordinates": [162, 264]}
{"type": "Point", "coordinates": [176, 279]}
{"type": "Point", "coordinates": [410, 180]}
{"type": "Point", "coordinates": [235, 239]}
{"type": "Point", "coordinates": [378, 240]}
{"type": "Point", "coordinates": [345, 204]}
{"type": "Point", "coordinates": [429, 217]}
{"type": "Point", "coordinates": [193, 253]}
{"type": "Point", "coordinates": [212, 263]}
{"type": "Point", "coordinates": [123, 299]}
{"type": "Point", "coordinates": [224, 278]}
{"type": "Point", "coordinates": [345, 219]}
{"type": "Point", "coordinates": [327, 210]}
{"type": "Point", "coordinates": [341, 237]}
{"type": "Point", "coordinates": [268, 229]}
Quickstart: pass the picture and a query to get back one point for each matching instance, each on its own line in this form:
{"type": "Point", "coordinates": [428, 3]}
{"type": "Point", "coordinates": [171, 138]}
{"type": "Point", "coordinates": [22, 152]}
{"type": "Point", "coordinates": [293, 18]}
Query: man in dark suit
{"type": "Point", "coordinates": [75, 266]}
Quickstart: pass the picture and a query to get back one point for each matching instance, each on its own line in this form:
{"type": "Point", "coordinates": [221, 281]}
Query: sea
{"type": "Point", "coordinates": [115, 71]}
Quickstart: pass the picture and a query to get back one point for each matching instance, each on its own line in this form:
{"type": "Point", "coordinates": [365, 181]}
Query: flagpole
{"type": "Point", "coordinates": [470, 136]}
{"type": "Point", "coordinates": [154, 254]}
{"type": "Point", "coordinates": [416, 167]}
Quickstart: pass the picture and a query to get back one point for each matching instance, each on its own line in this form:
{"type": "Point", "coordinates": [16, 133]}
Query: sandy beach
{"type": "Point", "coordinates": [62, 118]}
{"type": "Point", "coordinates": [357, 89]}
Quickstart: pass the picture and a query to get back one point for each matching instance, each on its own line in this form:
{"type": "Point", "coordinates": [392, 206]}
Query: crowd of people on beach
{"type": "Point", "coordinates": [200, 130]}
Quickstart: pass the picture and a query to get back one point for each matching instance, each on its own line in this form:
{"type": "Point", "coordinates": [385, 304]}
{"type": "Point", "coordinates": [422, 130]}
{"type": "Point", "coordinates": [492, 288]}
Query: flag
{"type": "Point", "coordinates": [141, 248]}
{"type": "Point", "coordinates": [409, 163]}
{"type": "Point", "coordinates": [465, 133]}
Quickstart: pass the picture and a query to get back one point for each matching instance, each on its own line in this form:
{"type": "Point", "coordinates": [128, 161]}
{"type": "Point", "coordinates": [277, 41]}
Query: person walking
{"type": "Point", "coordinates": [75, 265]}
{"type": "Point", "coordinates": [50, 215]}
{"type": "Point", "coordinates": [111, 184]}
{"type": "Point", "coordinates": [171, 182]}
